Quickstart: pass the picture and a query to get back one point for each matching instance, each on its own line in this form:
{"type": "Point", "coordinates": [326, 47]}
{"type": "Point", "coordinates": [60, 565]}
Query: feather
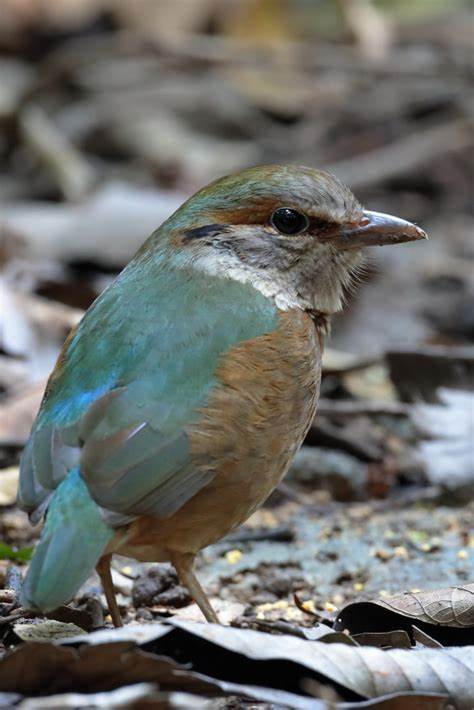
{"type": "Point", "coordinates": [72, 541]}
{"type": "Point", "coordinates": [132, 378]}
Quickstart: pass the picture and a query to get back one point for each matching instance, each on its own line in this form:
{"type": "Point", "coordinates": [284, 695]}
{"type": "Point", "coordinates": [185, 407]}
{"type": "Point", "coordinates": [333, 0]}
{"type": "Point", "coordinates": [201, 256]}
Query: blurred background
{"type": "Point", "coordinates": [112, 112]}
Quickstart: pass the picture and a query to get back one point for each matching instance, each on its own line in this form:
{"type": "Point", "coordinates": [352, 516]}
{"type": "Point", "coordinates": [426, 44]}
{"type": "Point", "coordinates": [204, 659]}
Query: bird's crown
{"type": "Point", "coordinates": [252, 195]}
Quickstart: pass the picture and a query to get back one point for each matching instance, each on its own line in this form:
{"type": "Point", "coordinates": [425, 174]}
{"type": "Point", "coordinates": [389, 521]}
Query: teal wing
{"type": "Point", "coordinates": [130, 383]}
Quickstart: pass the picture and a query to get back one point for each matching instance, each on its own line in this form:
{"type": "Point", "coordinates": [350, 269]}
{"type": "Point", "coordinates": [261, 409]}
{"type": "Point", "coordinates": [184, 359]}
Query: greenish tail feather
{"type": "Point", "coordinates": [73, 539]}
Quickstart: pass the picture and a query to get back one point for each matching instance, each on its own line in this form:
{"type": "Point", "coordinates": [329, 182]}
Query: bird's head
{"type": "Point", "coordinates": [296, 234]}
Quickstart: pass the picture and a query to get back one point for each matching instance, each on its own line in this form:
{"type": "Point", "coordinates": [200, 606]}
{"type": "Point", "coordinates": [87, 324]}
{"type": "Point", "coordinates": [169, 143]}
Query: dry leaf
{"type": "Point", "coordinates": [447, 615]}
{"type": "Point", "coordinates": [401, 701]}
{"type": "Point", "coordinates": [367, 671]}
{"type": "Point", "coordinates": [46, 630]}
{"type": "Point", "coordinates": [448, 453]}
{"type": "Point", "coordinates": [453, 606]}
{"type": "Point", "coordinates": [108, 659]}
{"type": "Point", "coordinates": [338, 361]}
{"type": "Point", "coordinates": [17, 415]}
{"type": "Point", "coordinates": [82, 232]}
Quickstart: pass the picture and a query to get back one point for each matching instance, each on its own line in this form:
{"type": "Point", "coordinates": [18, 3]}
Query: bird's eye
{"type": "Point", "coordinates": [289, 221]}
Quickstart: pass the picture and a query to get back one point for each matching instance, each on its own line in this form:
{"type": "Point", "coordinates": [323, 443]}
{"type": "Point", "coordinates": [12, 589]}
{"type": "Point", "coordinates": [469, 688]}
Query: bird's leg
{"type": "Point", "coordinates": [103, 570]}
{"type": "Point", "coordinates": [183, 563]}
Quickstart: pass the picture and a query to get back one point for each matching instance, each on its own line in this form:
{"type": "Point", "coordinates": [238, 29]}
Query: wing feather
{"type": "Point", "coordinates": [127, 388]}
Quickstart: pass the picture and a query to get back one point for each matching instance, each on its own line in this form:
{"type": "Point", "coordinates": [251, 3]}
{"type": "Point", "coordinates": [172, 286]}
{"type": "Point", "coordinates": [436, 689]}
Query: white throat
{"type": "Point", "coordinates": [316, 282]}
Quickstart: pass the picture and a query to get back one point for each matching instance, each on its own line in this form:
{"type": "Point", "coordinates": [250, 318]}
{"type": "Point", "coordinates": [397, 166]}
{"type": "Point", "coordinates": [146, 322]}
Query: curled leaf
{"type": "Point", "coordinates": [447, 615]}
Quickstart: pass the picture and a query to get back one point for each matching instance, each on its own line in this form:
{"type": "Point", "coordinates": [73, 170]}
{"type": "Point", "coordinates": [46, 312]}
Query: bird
{"type": "Point", "coordinates": [178, 402]}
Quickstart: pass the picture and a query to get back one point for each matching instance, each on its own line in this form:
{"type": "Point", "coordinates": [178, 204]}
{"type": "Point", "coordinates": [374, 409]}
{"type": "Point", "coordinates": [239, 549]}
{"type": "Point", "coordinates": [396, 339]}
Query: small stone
{"type": "Point", "coordinates": [344, 476]}
{"type": "Point", "coordinates": [463, 554]}
{"type": "Point", "coordinates": [233, 556]}
{"type": "Point", "coordinates": [143, 614]}
{"type": "Point", "coordinates": [176, 596]}
{"type": "Point", "coordinates": [152, 582]}
{"type": "Point", "coordinates": [401, 551]}
{"type": "Point", "coordinates": [263, 598]}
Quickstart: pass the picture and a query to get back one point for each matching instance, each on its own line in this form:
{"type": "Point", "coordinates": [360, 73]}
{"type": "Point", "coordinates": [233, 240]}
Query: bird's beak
{"type": "Point", "coordinates": [376, 229]}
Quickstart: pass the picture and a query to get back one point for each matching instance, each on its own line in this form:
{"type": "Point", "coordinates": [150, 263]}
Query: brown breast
{"type": "Point", "coordinates": [254, 422]}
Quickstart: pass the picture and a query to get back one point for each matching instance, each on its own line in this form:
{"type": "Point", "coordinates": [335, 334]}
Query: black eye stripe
{"type": "Point", "coordinates": [208, 230]}
{"type": "Point", "coordinates": [283, 218]}
{"type": "Point", "coordinates": [289, 221]}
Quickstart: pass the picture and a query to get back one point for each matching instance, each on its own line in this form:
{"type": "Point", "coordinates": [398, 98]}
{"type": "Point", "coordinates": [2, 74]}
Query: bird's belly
{"type": "Point", "coordinates": [249, 431]}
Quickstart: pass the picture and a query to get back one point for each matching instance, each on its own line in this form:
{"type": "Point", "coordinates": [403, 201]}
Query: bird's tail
{"type": "Point", "coordinates": [73, 539]}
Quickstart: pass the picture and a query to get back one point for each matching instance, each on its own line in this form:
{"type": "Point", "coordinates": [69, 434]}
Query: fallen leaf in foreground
{"type": "Point", "coordinates": [110, 658]}
{"type": "Point", "coordinates": [445, 614]}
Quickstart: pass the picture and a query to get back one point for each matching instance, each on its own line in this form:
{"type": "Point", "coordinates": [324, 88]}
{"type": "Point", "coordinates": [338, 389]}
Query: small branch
{"type": "Point", "coordinates": [72, 172]}
{"type": "Point", "coordinates": [17, 614]}
{"type": "Point", "coordinates": [370, 28]}
{"type": "Point", "coordinates": [404, 155]}
{"type": "Point", "coordinates": [349, 407]}
{"type": "Point", "coordinates": [280, 533]}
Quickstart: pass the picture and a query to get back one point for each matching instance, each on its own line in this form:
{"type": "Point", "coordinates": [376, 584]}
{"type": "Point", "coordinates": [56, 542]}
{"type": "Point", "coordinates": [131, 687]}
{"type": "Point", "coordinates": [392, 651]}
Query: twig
{"type": "Point", "coordinates": [405, 154]}
{"type": "Point", "coordinates": [238, 52]}
{"type": "Point", "coordinates": [291, 494]}
{"type": "Point", "coordinates": [322, 618]}
{"type": "Point", "coordinates": [72, 172]}
{"type": "Point", "coordinates": [17, 614]}
{"type": "Point", "coordinates": [349, 407]}
{"type": "Point", "coordinates": [280, 533]}
{"type": "Point", "coordinates": [426, 494]}
{"type": "Point", "coordinates": [370, 28]}
{"type": "Point", "coordinates": [7, 596]}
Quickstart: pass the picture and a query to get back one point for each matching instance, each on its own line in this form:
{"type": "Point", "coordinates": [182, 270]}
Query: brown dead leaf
{"type": "Point", "coordinates": [384, 639]}
{"type": "Point", "coordinates": [227, 611]}
{"type": "Point", "coordinates": [17, 414]}
{"type": "Point", "coordinates": [340, 362]}
{"type": "Point", "coordinates": [418, 373]}
{"type": "Point", "coordinates": [453, 606]}
{"type": "Point", "coordinates": [401, 701]}
{"type": "Point", "coordinates": [108, 659]}
{"type": "Point", "coordinates": [13, 373]}
{"type": "Point", "coordinates": [44, 667]}
{"type": "Point", "coordinates": [371, 383]}
{"type": "Point", "coordinates": [369, 672]}
{"type": "Point", "coordinates": [82, 232]}
{"type": "Point", "coordinates": [27, 321]}
{"type": "Point", "coordinates": [446, 615]}
{"type": "Point", "coordinates": [423, 639]}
